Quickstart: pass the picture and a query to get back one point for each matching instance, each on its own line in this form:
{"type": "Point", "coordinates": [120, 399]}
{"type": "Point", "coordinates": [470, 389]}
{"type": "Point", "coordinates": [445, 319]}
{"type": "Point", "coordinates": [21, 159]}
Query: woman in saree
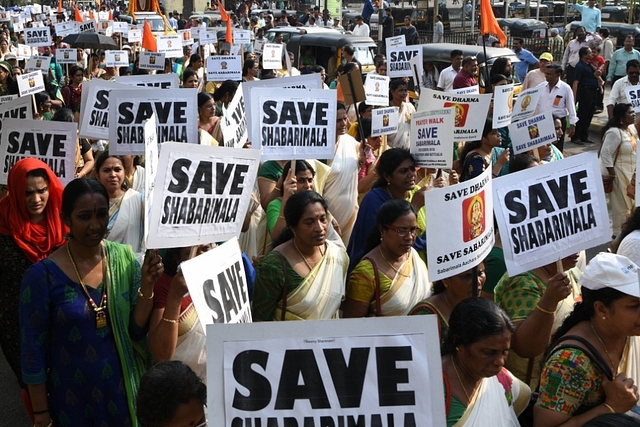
{"type": "Point", "coordinates": [126, 208]}
{"type": "Point", "coordinates": [207, 119]}
{"type": "Point", "coordinates": [479, 391]}
{"type": "Point", "coordinates": [391, 278]}
{"type": "Point", "coordinates": [303, 277]}
{"type": "Point", "coordinates": [84, 314]}
{"type": "Point", "coordinates": [398, 98]}
{"type": "Point", "coordinates": [72, 93]}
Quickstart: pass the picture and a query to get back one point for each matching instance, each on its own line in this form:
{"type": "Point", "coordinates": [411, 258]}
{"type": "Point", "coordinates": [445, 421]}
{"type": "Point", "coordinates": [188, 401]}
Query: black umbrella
{"type": "Point", "coordinates": [90, 41]}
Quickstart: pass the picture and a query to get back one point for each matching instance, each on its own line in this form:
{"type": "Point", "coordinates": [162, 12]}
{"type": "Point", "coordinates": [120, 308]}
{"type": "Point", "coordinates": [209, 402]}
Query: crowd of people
{"type": "Point", "coordinates": [100, 330]}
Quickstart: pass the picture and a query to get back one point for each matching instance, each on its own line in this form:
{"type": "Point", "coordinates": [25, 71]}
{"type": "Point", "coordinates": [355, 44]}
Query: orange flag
{"type": "Point", "coordinates": [59, 6]}
{"type": "Point", "coordinates": [148, 39]}
{"type": "Point", "coordinates": [489, 24]}
{"type": "Point", "coordinates": [91, 15]}
{"type": "Point", "coordinates": [110, 15]}
{"type": "Point", "coordinates": [224, 16]}
{"type": "Point", "coordinates": [78, 17]}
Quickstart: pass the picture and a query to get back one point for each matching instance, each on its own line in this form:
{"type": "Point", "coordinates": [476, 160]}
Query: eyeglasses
{"type": "Point", "coordinates": [403, 232]}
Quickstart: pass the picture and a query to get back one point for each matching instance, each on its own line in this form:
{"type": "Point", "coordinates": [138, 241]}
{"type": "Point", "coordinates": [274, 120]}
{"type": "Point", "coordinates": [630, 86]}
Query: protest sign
{"type": "Point", "coordinates": [186, 36]}
{"type": "Point", "coordinates": [258, 44]}
{"type": "Point", "coordinates": [30, 83]}
{"type": "Point", "coordinates": [633, 96]}
{"type": "Point", "coordinates": [117, 58]}
{"type": "Point", "coordinates": [134, 36]}
{"type": "Point", "coordinates": [106, 27]}
{"type": "Point", "coordinates": [362, 372]}
{"type": "Point", "coordinates": [25, 15]}
{"type": "Point", "coordinates": [241, 36]}
{"type": "Point", "coordinates": [432, 138]}
{"type": "Point", "coordinates": [4, 16]}
{"type": "Point", "coordinates": [18, 27]}
{"type": "Point", "coordinates": [103, 15]}
{"type": "Point", "coordinates": [66, 56]}
{"type": "Point", "coordinates": [94, 108]}
{"type": "Point", "coordinates": [272, 56]}
{"type": "Point", "coordinates": [384, 121]}
{"type": "Point", "coordinates": [120, 27]}
{"type": "Point", "coordinates": [38, 63]}
{"type": "Point", "coordinates": [396, 41]}
{"type": "Point", "coordinates": [7, 98]}
{"type": "Point", "coordinates": [526, 104]}
{"type": "Point", "coordinates": [151, 60]}
{"type": "Point", "coordinates": [151, 153]}
{"type": "Point", "coordinates": [351, 85]}
{"type": "Point", "coordinates": [531, 133]}
{"type": "Point", "coordinates": [460, 226]}
{"type": "Point", "coordinates": [40, 36]}
{"type": "Point", "coordinates": [636, 177]}
{"type": "Point", "coordinates": [234, 122]}
{"type": "Point", "coordinates": [218, 286]}
{"type": "Point", "coordinates": [160, 81]}
{"type": "Point", "coordinates": [170, 45]}
{"type": "Point", "coordinates": [293, 123]}
{"type": "Point", "coordinates": [502, 105]}
{"type": "Point", "coordinates": [208, 36]}
{"type": "Point", "coordinates": [398, 60]}
{"type": "Point", "coordinates": [87, 26]}
{"type": "Point", "coordinates": [417, 72]}
{"type": "Point", "coordinates": [18, 108]}
{"type": "Point", "coordinates": [376, 90]}
{"type": "Point", "coordinates": [175, 110]}
{"type": "Point", "coordinates": [467, 90]}
{"type": "Point", "coordinates": [470, 111]}
{"type": "Point", "coordinates": [52, 142]}
{"type": "Point", "coordinates": [25, 52]}
{"type": "Point", "coordinates": [66, 28]}
{"type": "Point", "coordinates": [551, 211]}
{"type": "Point", "coordinates": [224, 67]}
{"type": "Point", "coordinates": [201, 194]}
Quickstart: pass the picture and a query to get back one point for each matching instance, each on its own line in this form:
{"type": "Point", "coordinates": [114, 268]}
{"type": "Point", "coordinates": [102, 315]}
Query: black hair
{"type": "Point", "coordinates": [73, 70]}
{"type": "Point", "coordinates": [633, 63]}
{"type": "Point", "coordinates": [186, 74]}
{"type": "Point", "coordinates": [165, 387]}
{"type": "Point", "coordinates": [395, 84]}
{"type": "Point", "coordinates": [195, 57]}
{"type": "Point", "coordinates": [78, 188]}
{"type": "Point", "coordinates": [349, 67]}
{"type": "Point", "coordinates": [521, 162]}
{"type": "Point", "coordinates": [248, 64]}
{"type": "Point", "coordinates": [301, 166]}
{"type": "Point", "coordinates": [456, 52]}
{"type": "Point", "coordinates": [227, 87]}
{"type": "Point", "coordinates": [388, 213]}
{"type": "Point", "coordinates": [293, 211]}
{"type": "Point", "coordinates": [518, 39]}
{"type": "Point", "coordinates": [38, 173]}
{"type": "Point", "coordinates": [124, 71]}
{"type": "Point", "coordinates": [63, 115]}
{"type": "Point", "coordinates": [363, 107]}
{"type": "Point", "coordinates": [341, 106]}
{"type": "Point", "coordinates": [470, 146]}
{"type": "Point", "coordinates": [557, 68]}
{"type": "Point", "coordinates": [612, 420]}
{"type": "Point", "coordinates": [619, 111]}
{"type": "Point", "coordinates": [472, 320]}
{"type": "Point", "coordinates": [365, 123]}
{"type": "Point", "coordinates": [631, 224]}
{"type": "Point", "coordinates": [604, 32]}
{"type": "Point", "coordinates": [348, 49]}
{"type": "Point", "coordinates": [388, 162]}
{"type": "Point", "coordinates": [103, 158]}
{"type": "Point", "coordinates": [499, 65]}
{"type": "Point", "coordinates": [203, 97]}
{"type": "Point", "coordinates": [583, 51]}
{"type": "Point", "coordinates": [41, 98]}
{"type": "Point", "coordinates": [495, 79]}
{"type": "Point", "coordinates": [171, 261]}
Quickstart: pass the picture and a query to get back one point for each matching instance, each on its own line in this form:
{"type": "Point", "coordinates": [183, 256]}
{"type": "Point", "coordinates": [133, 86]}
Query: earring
{"type": "Point", "coordinates": [604, 318]}
{"type": "Point", "coordinates": [457, 348]}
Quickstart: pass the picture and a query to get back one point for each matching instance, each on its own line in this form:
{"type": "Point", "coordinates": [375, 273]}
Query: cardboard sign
{"type": "Point", "coordinates": [52, 142]}
{"type": "Point", "coordinates": [531, 133]}
{"type": "Point", "coordinates": [224, 67]}
{"type": "Point", "coordinates": [460, 225]}
{"type": "Point", "coordinates": [362, 372]}
{"type": "Point", "coordinates": [38, 63]}
{"type": "Point", "coordinates": [293, 123]}
{"type": "Point", "coordinates": [502, 106]}
{"type": "Point", "coordinates": [550, 211]}
{"type": "Point", "coordinates": [471, 90]}
{"type": "Point", "coordinates": [94, 108]}
{"type": "Point", "coordinates": [37, 36]}
{"type": "Point", "coordinates": [376, 90]}
{"type": "Point", "coordinates": [186, 36]}
{"type": "Point", "coordinates": [217, 285]}
{"type": "Point", "coordinates": [87, 27]}
{"type": "Point", "coordinates": [397, 41]}
{"type": "Point", "coordinates": [208, 36]}
{"type": "Point", "coordinates": [633, 97]}
{"type": "Point", "coordinates": [384, 121]}
{"type": "Point", "coordinates": [201, 194]}
{"type": "Point", "coordinates": [526, 104]}
{"type": "Point", "coordinates": [241, 37]}
{"type": "Point", "coordinates": [151, 60]}
{"type": "Point", "coordinates": [134, 36]}
{"type": "Point", "coordinates": [66, 56]}
{"type": "Point", "coordinates": [18, 108]}
{"type": "Point", "coordinates": [470, 111]}
{"type": "Point", "coordinates": [170, 45]}
{"type": "Point", "coordinates": [116, 58]}
{"type": "Point", "coordinates": [234, 122]}
{"type": "Point", "coordinates": [352, 87]}
{"type": "Point", "coordinates": [432, 138]}
{"type": "Point", "coordinates": [272, 56]}
{"type": "Point", "coordinates": [151, 153]}
{"type": "Point", "coordinates": [398, 60]}
{"type": "Point", "coordinates": [160, 81]}
{"type": "Point", "coordinates": [30, 83]}
{"type": "Point", "coordinates": [175, 110]}
{"type": "Point", "coordinates": [66, 28]}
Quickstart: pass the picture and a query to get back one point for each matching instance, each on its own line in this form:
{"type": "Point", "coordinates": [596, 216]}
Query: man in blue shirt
{"type": "Point", "coordinates": [590, 15]}
{"type": "Point", "coordinates": [585, 88]}
{"type": "Point", "coordinates": [527, 59]}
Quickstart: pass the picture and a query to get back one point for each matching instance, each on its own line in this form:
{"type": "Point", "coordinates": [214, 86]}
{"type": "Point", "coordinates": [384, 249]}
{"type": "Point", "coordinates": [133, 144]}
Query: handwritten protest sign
{"type": "Point", "coordinates": [502, 106]}
{"type": "Point", "coordinates": [362, 372]}
{"type": "Point", "coordinates": [432, 138]}
{"type": "Point", "coordinates": [175, 110]}
{"type": "Point", "coordinates": [18, 108]}
{"type": "Point", "coordinates": [52, 142]}
{"type": "Point", "coordinates": [117, 58]}
{"type": "Point", "coordinates": [159, 81]}
{"type": "Point", "coordinates": [396, 41]}
{"type": "Point", "coordinates": [30, 83]}
{"type": "Point", "coordinates": [201, 194]}
{"type": "Point", "coordinates": [293, 123]}
{"type": "Point", "coordinates": [38, 63]}
{"type": "Point", "coordinates": [272, 56]}
{"type": "Point", "coordinates": [551, 211]}
{"type": "Point", "coordinates": [398, 60]}
{"type": "Point", "coordinates": [633, 97]}
{"type": "Point", "coordinates": [66, 56]}
{"type": "Point", "coordinates": [531, 133]}
{"type": "Point", "coordinates": [224, 67]}
{"type": "Point", "coordinates": [384, 121]}
{"type": "Point", "coordinates": [151, 60]}
{"type": "Point", "coordinates": [234, 122]}
{"type": "Point", "coordinates": [376, 89]}
{"type": "Point", "coordinates": [460, 225]}
{"type": "Point", "coordinates": [470, 111]}
{"type": "Point", "coordinates": [526, 104]}
{"type": "Point", "coordinates": [40, 36]}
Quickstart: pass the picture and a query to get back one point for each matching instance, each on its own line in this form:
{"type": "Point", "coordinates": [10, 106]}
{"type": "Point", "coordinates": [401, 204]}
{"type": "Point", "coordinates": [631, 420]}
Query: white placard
{"type": "Point", "coordinates": [170, 45]}
{"type": "Point", "coordinates": [502, 105]}
{"type": "Point", "coordinates": [526, 104]}
{"type": "Point", "coordinates": [25, 15]}
{"type": "Point", "coordinates": [40, 36]}
{"type": "Point", "coordinates": [8, 98]}
{"type": "Point", "coordinates": [160, 81]}
{"type": "Point", "coordinates": [241, 36]}
{"type": "Point", "coordinates": [175, 110]}
{"type": "Point", "coordinates": [151, 60]}
{"type": "Point", "coordinates": [637, 177]}
{"type": "Point", "coordinates": [396, 41]}
{"type": "Point", "coordinates": [24, 52]}
{"type": "Point", "coordinates": [134, 36]}
{"type": "Point", "coordinates": [17, 108]}
{"type": "Point", "coordinates": [258, 44]}
{"type": "Point", "coordinates": [18, 27]}
{"type": "Point", "coordinates": [471, 90]}
{"type": "Point", "coordinates": [103, 15]}
{"type": "Point", "coordinates": [234, 122]}
{"type": "Point", "coordinates": [202, 194]}
{"type": "Point", "coordinates": [66, 56]}
{"type": "Point", "coordinates": [116, 58]}
{"type": "Point", "coordinates": [384, 121]}
{"type": "Point", "coordinates": [5, 16]}
{"type": "Point", "coordinates": [208, 36]}
{"type": "Point", "coordinates": [87, 26]}
{"type": "Point", "coordinates": [398, 60]}
{"type": "Point", "coordinates": [531, 133]}
{"type": "Point", "coordinates": [293, 123]}
{"type": "Point", "coordinates": [633, 97]}
{"type": "Point", "coordinates": [224, 67]}
{"type": "Point", "coordinates": [460, 226]}
{"type": "Point", "coordinates": [187, 36]}
{"type": "Point", "coordinates": [66, 28]}
{"type": "Point", "coordinates": [218, 286]}
{"type": "Point", "coordinates": [471, 111]}
{"type": "Point", "coordinates": [120, 27]}
{"type": "Point", "coordinates": [358, 372]}
{"type": "Point", "coordinates": [376, 89]}
{"type": "Point", "coordinates": [551, 211]}
{"type": "Point", "coordinates": [38, 63]}
{"type": "Point", "coordinates": [30, 83]}
{"type": "Point", "coordinates": [151, 153]}
{"type": "Point", "coordinates": [52, 142]}
{"type": "Point", "coordinates": [105, 25]}
{"type": "Point", "coordinates": [94, 109]}
{"type": "Point", "coordinates": [432, 138]}
{"type": "Point", "coordinates": [272, 56]}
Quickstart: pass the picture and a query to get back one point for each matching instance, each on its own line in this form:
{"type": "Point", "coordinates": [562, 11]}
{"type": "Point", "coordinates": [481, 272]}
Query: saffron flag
{"type": "Point", "coordinates": [59, 6]}
{"type": "Point", "coordinates": [110, 15]}
{"type": "Point", "coordinates": [224, 16]}
{"type": "Point", "coordinates": [91, 15]}
{"type": "Point", "coordinates": [148, 39]}
{"type": "Point", "coordinates": [489, 24]}
{"type": "Point", "coordinates": [78, 17]}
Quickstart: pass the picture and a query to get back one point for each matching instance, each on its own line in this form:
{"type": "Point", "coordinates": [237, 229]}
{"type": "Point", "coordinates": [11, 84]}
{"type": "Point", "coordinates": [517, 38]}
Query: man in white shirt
{"type": "Point", "coordinates": [438, 30]}
{"type": "Point", "coordinates": [557, 96]}
{"type": "Point", "coordinates": [336, 24]}
{"type": "Point", "coordinates": [571, 53]}
{"type": "Point", "coordinates": [445, 81]}
{"type": "Point", "coordinates": [617, 94]}
{"type": "Point", "coordinates": [361, 28]}
{"type": "Point", "coordinates": [607, 47]}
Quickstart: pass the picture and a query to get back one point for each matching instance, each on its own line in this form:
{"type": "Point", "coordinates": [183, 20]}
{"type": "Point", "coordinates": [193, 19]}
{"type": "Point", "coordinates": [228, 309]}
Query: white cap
{"type": "Point", "coordinates": [614, 271]}
{"type": "Point", "coordinates": [126, 46]}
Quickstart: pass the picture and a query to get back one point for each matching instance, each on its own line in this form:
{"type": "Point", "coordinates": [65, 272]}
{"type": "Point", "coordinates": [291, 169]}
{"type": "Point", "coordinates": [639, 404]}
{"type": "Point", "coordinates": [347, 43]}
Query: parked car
{"type": "Point", "coordinates": [288, 32]}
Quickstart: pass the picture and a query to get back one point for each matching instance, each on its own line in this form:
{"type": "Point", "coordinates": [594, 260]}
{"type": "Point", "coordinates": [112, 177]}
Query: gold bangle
{"type": "Point", "coordinates": [142, 296]}
{"type": "Point", "coordinates": [169, 320]}
{"type": "Point", "coordinates": [609, 407]}
{"type": "Point", "coordinates": [552, 313]}
{"type": "Point", "coordinates": [281, 216]}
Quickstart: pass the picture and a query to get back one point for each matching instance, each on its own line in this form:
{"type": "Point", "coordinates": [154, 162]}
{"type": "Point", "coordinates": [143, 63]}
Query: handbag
{"type": "Point", "coordinates": [607, 179]}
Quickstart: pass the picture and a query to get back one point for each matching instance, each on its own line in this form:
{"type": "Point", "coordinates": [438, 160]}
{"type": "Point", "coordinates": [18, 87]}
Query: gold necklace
{"type": "Point", "coordinates": [101, 316]}
{"type": "Point", "coordinates": [304, 258]}
{"type": "Point", "coordinates": [447, 301]}
{"type": "Point", "coordinates": [461, 383]}
{"type": "Point", "coordinates": [615, 369]}
{"type": "Point", "coordinates": [387, 261]}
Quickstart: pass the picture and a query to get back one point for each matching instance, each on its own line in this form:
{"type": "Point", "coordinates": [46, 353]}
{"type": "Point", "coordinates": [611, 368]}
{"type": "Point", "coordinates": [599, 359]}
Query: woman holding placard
{"type": "Point", "coordinates": [479, 155]}
{"type": "Point", "coordinates": [72, 93]}
{"type": "Point", "coordinates": [207, 119]}
{"type": "Point", "coordinates": [618, 161]}
{"type": "Point", "coordinates": [397, 98]}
